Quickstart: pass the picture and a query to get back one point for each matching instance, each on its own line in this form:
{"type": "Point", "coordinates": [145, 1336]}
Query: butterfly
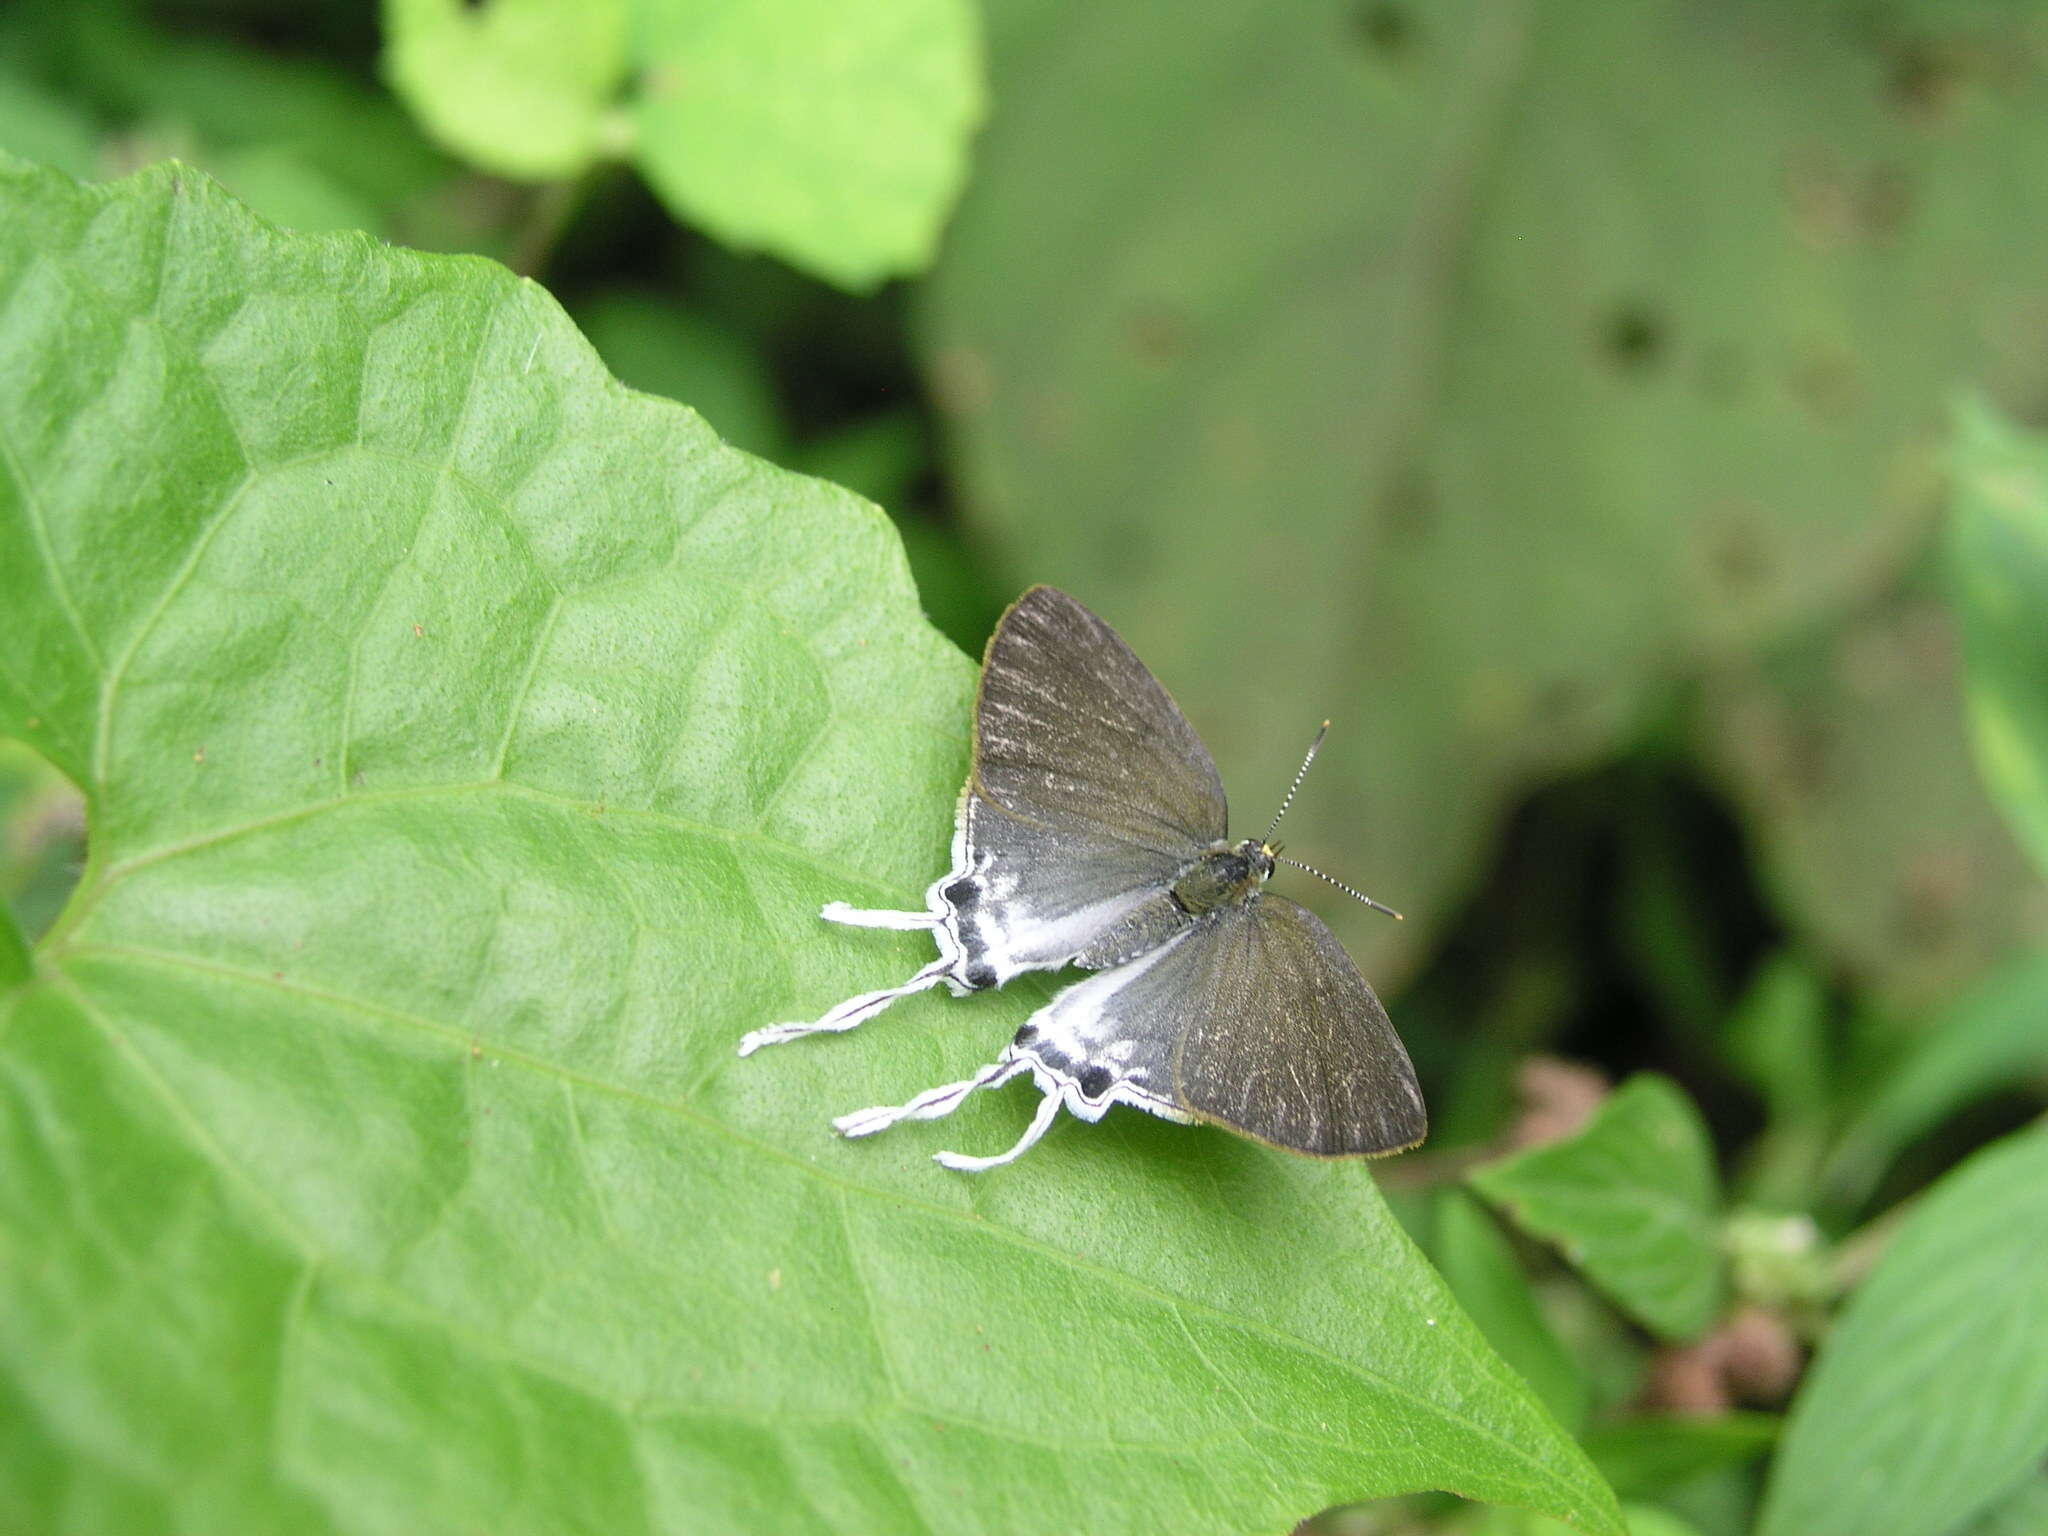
{"type": "Point", "coordinates": [1092, 832]}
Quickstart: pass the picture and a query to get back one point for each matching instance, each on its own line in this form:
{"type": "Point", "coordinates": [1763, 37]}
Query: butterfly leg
{"type": "Point", "coordinates": [933, 1102]}
{"type": "Point", "coordinates": [863, 917]}
{"type": "Point", "coordinates": [849, 1014]}
{"type": "Point", "coordinates": [1048, 1106]}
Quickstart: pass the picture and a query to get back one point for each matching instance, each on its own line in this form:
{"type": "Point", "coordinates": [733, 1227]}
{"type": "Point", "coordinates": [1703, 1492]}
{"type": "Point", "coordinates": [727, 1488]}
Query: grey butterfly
{"type": "Point", "coordinates": [1092, 833]}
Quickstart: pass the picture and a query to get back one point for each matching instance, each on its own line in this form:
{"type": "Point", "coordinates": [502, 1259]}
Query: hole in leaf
{"type": "Point", "coordinates": [1385, 29]}
{"type": "Point", "coordinates": [1407, 502]}
{"type": "Point", "coordinates": [1158, 333]}
{"type": "Point", "coordinates": [1932, 894]}
{"type": "Point", "coordinates": [1887, 201]}
{"type": "Point", "coordinates": [1924, 79]}
{"type": "Point", "coordinates": [1634, 338]}
{"type": "Point", "coordinates": [1826, 383]}
{"type": "Point", "coordinates": [1738, 553]}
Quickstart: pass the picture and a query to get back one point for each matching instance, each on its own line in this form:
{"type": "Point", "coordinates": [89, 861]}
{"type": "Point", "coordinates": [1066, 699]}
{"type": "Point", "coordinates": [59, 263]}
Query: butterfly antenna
{"type": "Point", "coordinates": [1299, 774]}
{"type": "Point", "coordinates": [1377, 906]}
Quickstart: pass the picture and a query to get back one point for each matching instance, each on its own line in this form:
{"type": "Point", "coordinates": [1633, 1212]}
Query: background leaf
{"type": "Point", "coordinates": [525, 87]}
{"type": "Point", "coordinates": [834, 136]}
{"type": "Point", "coordinates": [1929, 1398]}
{"type": "Point", "coordinates": [1650, 1455]}
{"type": "Point", "coordinates": [1999, 575]}
{"type": "Point", "coordinates": [1846, 750]}
{"type": "Point", "coordinates": [665, 349]}
{"type": "Point", "coordinates": [1631, 1200]}
{"type": "Point", "coordinates": [1641, 1519]}
{"type": "Point", "coordinates": [38, 124]}
{"type": "Point", "coordinates": [1991, 1039]}
{"type": "Point", "coordinates": [15, 964]}
{"type": "Point", "coordinates": [1777, 1037]}
{"type": "Point", "coordinates": [1493, 389]}
{"type": "Point", "coordinates": [2022, 1512]}
{"type": "Point", "coordinates": [1479, 1264]}
{"type": "Point", "coordinates": [469, 742]}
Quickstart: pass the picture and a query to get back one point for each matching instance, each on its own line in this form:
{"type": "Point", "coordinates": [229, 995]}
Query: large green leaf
{"type": "Point", "coordinates": [1999, 565]}
{"type": "Point", "coordinates": [1489, 363]}
{"type": "Point", "coordinates": [832, 135]}
{"type": "Point", "coordinates": [469, 743]}
{"type": "Point", "coordinates": [1930, 1396]}
{"type": "Point", "coordinates": [1631, 1199]}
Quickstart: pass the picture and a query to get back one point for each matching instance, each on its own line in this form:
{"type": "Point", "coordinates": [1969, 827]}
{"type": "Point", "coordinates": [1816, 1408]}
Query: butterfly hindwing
{"type": "Point", "coordinates": [1284, 1041]}
{"type": "Point", "coordinates": [1255, 1019]}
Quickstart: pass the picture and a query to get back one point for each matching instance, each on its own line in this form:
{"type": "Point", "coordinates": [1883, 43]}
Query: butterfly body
{"type": "Point", "coordinates": [1227, 874]}
{"type": "Point", "coordinates": [1092, 833]}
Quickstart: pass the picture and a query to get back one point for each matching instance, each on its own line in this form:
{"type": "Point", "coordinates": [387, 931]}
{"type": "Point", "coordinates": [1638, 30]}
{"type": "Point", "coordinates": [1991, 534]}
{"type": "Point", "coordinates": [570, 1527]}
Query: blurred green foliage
{"type": "Point", "coordinates": [1619, 419]}
{"type": "Point", "coordinates": [834, 135]}
{"type": "Point", "coordinates": [1478, 374]}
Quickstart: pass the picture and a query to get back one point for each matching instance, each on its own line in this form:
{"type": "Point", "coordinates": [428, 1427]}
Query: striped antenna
{"type": "Point", "coordinates": [1377, 906]}
{"type": "Point", "coordinates": [1300, 774]}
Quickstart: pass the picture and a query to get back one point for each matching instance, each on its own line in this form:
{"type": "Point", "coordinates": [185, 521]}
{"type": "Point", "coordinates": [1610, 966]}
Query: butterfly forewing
{"type": "Point", "coordinates": [1283, 1040]}
{"type": "Point", "coordinates": [1090, 792]}
{"type": "Point", "coordinates": [1072, 732]}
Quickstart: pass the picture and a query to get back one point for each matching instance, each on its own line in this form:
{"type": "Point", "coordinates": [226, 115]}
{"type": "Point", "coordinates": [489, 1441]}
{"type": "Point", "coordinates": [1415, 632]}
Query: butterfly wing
{"type": "Point", "coordinates": [1071, 730]}
{"type": "Point", "coordinates": [1254, 1019]}
{"type": "Point", "coordinates": [1090, 794]}
{"type": "Point", "coordinates": [1284, 1041]}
